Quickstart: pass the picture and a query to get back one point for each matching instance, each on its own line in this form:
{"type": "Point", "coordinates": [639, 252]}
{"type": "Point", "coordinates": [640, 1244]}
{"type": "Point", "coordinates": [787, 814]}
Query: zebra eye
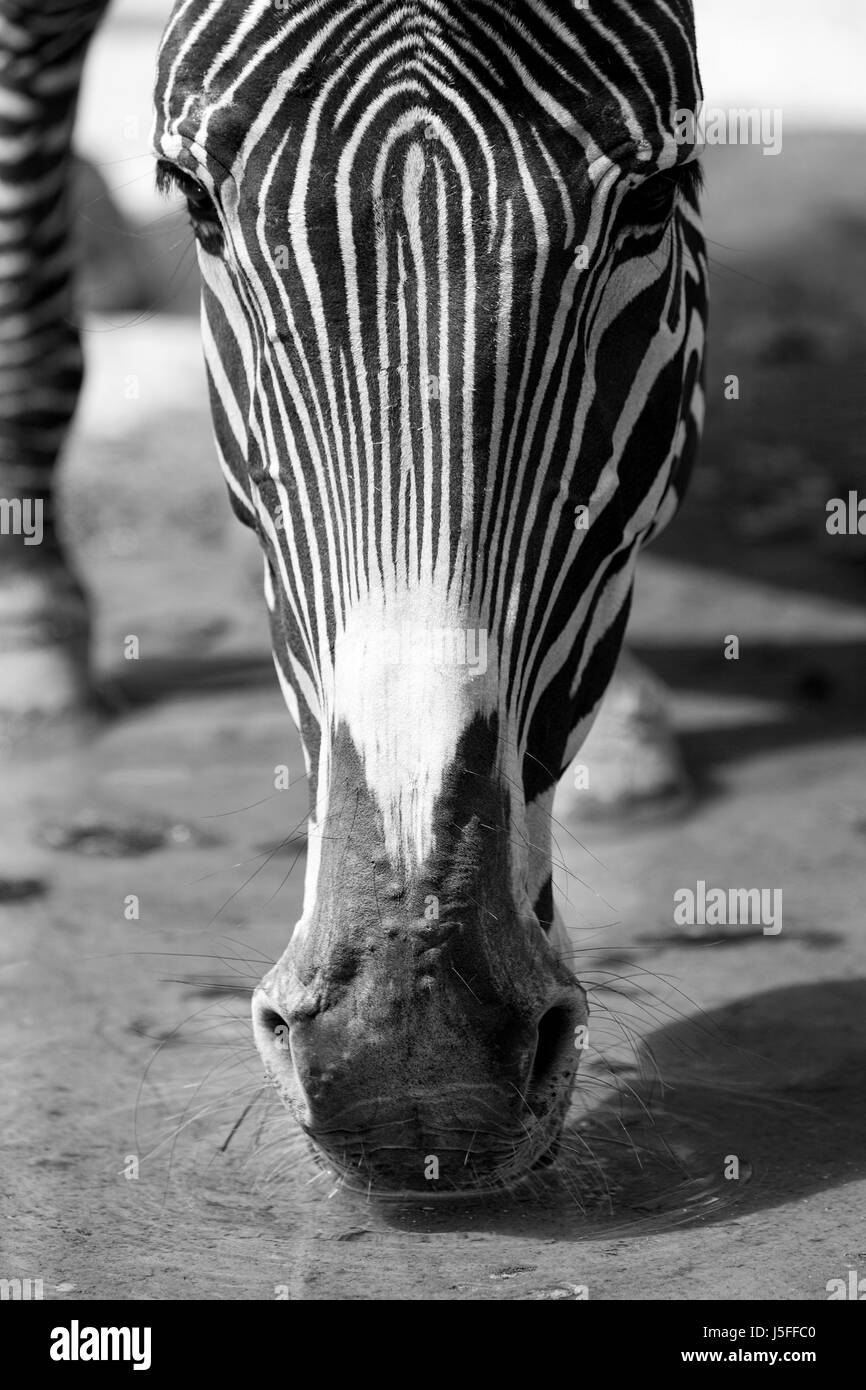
{"type": "Point", "coordinates": [651, 201]}
{"type": "Point", "coordinates": [202, 212]}
{"type": "Point", "coordinates": [655, 199]}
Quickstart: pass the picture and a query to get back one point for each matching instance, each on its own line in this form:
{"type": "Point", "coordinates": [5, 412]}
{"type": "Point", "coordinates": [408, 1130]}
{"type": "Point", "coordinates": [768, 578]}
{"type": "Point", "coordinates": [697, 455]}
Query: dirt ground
{"type": "Point", "coordinates": [150, 873]}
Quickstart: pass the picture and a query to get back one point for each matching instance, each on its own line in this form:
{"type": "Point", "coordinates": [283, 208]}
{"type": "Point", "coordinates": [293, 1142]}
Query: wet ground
{"type": "Point", "coordinates": [150, 874]}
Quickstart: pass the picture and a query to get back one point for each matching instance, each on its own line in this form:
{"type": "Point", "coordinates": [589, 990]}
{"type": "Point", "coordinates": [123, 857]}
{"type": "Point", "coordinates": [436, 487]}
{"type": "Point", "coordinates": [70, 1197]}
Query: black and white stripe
{"type": "Point", "coordinates": [43, 44]}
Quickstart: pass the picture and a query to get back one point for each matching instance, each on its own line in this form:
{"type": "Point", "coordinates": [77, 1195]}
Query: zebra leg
{"type": "Point", "coordinates": [631, 761]}
{"type": "Point", "coordinates": [44, 622]}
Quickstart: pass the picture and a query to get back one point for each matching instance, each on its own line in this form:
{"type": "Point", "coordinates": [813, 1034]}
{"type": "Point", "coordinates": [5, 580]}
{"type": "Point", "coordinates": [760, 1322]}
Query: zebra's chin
{"type": "Point", "coordinates": [401, 1152]}
{"type": "Point", "coordinates": [466, 1172]}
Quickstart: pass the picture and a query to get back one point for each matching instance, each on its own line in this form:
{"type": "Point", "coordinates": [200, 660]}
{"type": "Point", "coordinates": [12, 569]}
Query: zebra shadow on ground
{"type": "Point", "coordinates": [741, 1109]}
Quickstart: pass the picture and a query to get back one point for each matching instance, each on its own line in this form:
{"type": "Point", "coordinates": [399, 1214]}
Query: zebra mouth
{"type": "Point", "coordinates": [396, 1186]}
{"type": "Point", "coordinates": [392, 1161]}
{"type": "Point", "coordinates": [475, 1115]}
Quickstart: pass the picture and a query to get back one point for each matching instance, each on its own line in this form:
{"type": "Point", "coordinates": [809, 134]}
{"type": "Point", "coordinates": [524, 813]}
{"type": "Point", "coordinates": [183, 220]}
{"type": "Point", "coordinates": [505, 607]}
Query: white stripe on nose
{"type": "Point", "coordinates": [410, 673]}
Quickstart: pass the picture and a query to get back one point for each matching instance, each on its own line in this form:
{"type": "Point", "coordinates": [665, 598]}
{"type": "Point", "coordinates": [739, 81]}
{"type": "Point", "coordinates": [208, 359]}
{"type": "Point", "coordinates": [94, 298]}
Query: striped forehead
{"type": "Point", "coordinates": [236, 80]}
{"type": "Point", "coordinates": [476, 129]}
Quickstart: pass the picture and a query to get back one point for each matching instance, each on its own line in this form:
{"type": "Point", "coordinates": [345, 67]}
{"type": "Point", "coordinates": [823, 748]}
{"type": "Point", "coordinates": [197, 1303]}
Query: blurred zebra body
{"type": "Point", "coordinates": [44, 624]}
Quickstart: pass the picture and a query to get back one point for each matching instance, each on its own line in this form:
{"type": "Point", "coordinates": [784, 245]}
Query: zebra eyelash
{"type": "Point", "coordinates": [689, 178]}
{"type": "Point", "coordinates": [170, 178]}
{"type": "Point", "coordinates": [202, 212]}
{"type": "Point", "coordinates": [653, 201]}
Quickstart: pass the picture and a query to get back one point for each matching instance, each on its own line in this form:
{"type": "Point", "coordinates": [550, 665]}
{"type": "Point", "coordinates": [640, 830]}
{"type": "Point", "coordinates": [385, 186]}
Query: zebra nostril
{"type": "Point", "coordinates": [554, 1048]}
{"type": "Point", "coordinates": [270, 1029]}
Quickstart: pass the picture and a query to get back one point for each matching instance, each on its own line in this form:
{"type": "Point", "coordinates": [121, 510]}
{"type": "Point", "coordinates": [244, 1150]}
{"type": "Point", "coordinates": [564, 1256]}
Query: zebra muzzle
{"type": "Point", "coordinates": [395, 1087]}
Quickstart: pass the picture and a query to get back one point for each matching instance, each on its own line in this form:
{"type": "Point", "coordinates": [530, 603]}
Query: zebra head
{"type": "Point", "coordinates": [453, 316]}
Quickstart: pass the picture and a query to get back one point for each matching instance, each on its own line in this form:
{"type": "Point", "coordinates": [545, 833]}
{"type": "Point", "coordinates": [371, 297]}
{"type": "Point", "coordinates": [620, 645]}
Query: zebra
{"type": "Point", "coordinates": [454, 302]}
